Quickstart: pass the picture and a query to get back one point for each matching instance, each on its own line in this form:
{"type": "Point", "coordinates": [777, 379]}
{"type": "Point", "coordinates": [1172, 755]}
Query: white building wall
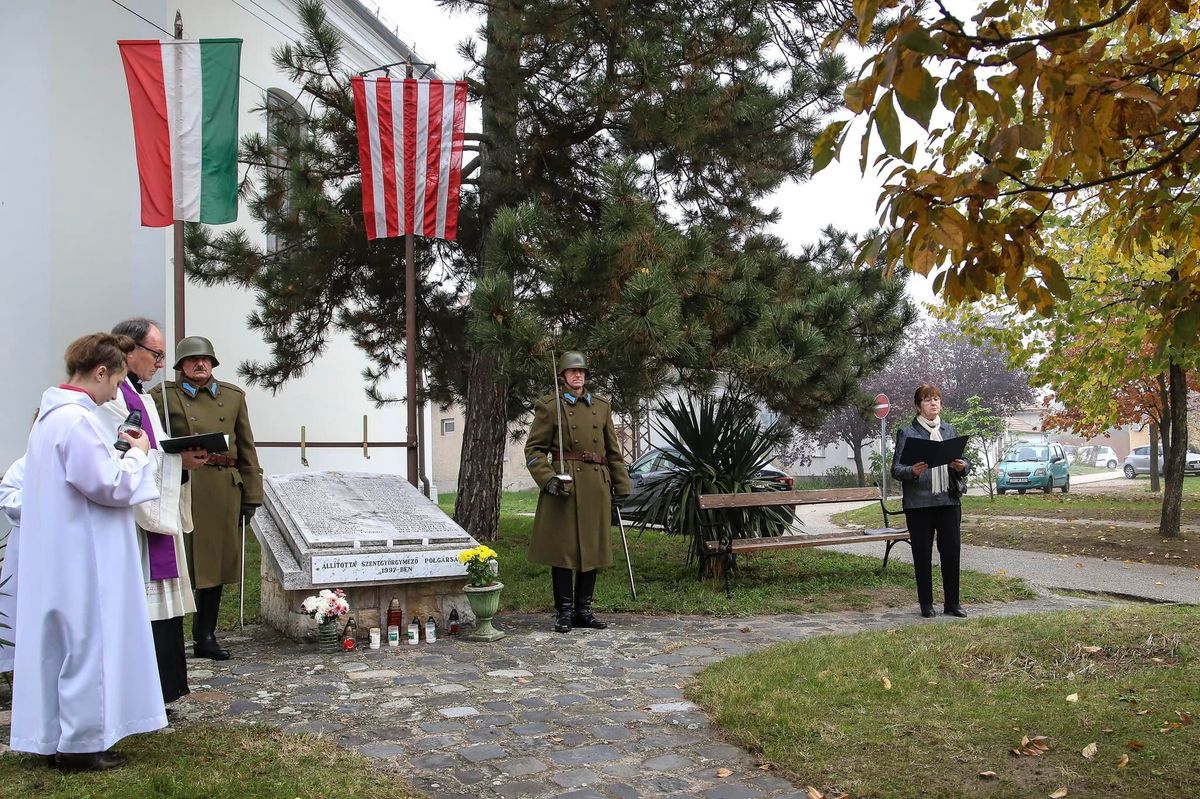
{"type": "Point", "coordinates": [73, 256]}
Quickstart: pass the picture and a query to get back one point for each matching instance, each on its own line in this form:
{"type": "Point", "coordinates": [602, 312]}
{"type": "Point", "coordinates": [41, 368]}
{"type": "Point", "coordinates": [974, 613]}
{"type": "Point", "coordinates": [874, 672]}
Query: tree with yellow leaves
{"type": "Point", "coordinates": [1085, 110]}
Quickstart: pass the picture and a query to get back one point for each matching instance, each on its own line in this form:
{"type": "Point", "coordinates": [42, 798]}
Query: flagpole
{"type": "Point", "coordinates": [410, 335]}
{"type": "Point", "coordinates": [177, 272]}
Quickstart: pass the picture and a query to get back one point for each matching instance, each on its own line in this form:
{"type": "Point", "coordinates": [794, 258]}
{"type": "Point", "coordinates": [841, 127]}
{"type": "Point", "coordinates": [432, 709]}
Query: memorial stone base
{"type": "Point", "coordinates": [374, 536]}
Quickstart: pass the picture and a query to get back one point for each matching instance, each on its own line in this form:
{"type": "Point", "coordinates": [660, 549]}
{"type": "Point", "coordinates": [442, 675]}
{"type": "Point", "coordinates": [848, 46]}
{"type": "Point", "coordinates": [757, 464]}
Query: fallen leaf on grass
{"type": "Point", "coordinates": [1073, 697]}
{"type": "Point", "coordinates": [887, 684]}
{"type": "Point", "coordinates": [1136, 746]}
{"type": "Point", "coordinates": [1123, 761]}
{"type": "Point", "coordinates": [989, 775]}
{"type": "Point", "coordinates": [722, 773]}
{"type": "Point", "coordinates": [1184, 718]}
{"type": "Point", "coordinates": [1091, 650]}
{"type": "Point", "coordinates": [1059, 794]}
{"type": "Point", "coordinates": [766, 766]}
{"type": "Point", "coordinates": [1143, 712]}
{"type": "Point", "coordinates": [813, 793]}
{"type": "Point", "coordinates": [1089, 751]}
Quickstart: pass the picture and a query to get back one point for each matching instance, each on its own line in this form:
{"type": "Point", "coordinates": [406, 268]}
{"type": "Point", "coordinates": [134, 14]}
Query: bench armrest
{"type": "Point", "coordinates": [888, 513]}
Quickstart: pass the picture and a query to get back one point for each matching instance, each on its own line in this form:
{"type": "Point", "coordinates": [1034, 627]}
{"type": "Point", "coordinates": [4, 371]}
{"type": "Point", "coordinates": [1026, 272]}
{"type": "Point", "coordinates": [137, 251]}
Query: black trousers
{"type": "Point", "coordinates": [924, 524]}
{"type": "Point", "coordinates": [172, 661]}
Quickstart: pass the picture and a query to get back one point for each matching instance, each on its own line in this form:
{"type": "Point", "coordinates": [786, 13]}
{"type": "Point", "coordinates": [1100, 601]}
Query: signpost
{"type": "Point", "coordinates": [882, 406]}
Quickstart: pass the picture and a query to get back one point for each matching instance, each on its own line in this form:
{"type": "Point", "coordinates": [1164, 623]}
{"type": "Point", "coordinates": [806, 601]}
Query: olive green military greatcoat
{"type": "Point", "coordinates": [574, 531]}
{"type": "Point", "coordinates": [214, 548]}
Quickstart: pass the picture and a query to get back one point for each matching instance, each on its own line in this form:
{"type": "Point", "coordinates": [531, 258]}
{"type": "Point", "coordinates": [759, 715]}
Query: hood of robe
{"type": "Point", "coordinates": [54, 398]}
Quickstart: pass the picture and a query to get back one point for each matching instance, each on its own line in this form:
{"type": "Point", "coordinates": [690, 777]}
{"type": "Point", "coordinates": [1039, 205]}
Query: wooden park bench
{"type": "Point", "coordinates": [728, 547]}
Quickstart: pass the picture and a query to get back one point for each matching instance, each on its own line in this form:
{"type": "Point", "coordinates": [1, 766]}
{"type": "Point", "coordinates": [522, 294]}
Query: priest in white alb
{"type": "Point", "coordinates": [85, 674]}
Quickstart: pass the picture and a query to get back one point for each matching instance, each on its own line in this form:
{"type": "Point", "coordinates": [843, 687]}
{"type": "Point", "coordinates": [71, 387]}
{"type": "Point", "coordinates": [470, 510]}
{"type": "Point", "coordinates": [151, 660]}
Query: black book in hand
{"type": "Point", "coordinates": [210, 442]}
{"type": "Point", "coordinates": [934, 453]}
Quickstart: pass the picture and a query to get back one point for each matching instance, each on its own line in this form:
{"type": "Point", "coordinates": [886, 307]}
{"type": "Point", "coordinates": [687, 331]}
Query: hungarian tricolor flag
{"type": "Point", "coordinates": [184, 97]}
{"type": "Point", "coordinates": [410, 148]}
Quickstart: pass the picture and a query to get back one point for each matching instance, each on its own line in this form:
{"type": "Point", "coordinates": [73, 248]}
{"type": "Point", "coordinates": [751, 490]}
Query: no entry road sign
{"type": "Point", "coordinates": [882, 406]}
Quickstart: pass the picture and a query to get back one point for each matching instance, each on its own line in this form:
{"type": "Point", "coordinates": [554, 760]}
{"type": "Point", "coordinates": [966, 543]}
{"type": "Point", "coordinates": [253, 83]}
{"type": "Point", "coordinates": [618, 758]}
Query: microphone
{"type": "Point", "coordinates": [132, 423]}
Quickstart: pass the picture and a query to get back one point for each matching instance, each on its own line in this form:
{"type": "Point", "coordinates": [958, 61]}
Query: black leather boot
{"type": "Point", "coordinates": [563, 602]}
{"type": "Point", "coordinates": [88, 761]}
{"type": "Point", "coordinates": [585, 586]}
{"type": "Point", "coordinates": [204, 624]}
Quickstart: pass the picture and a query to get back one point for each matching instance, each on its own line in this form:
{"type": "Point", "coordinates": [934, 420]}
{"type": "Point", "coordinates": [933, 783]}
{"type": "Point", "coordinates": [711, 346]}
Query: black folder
{"type": "Point", "coordinates": [934, 453]}
{"type": "Point", "coordinates": [210, 442]}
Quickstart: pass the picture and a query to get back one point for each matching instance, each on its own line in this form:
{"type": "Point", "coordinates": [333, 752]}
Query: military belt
{"type": "Point", "coordinates": [221, 461]}
{"type": "Point", "coordinates": [586, 457]}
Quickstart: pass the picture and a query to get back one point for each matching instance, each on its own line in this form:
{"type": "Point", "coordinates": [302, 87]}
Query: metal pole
{"type": "Point", "coordinates": [242, 587]}
{"type": "Point", "coordinates": [883, 466]}
{"type": "Point", "coordinates": [410, 334]}
{"type": "Point", "coordinates": [558, 405]}
{"type": "Point", "coordinates": [178, 226]}
{"type": "Point", "coordinates": [625, 543]}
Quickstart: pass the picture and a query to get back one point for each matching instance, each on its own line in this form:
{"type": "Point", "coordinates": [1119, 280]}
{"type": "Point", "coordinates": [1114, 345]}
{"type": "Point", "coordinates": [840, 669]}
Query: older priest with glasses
{"type": "Point", "coordinates": [161, 524]}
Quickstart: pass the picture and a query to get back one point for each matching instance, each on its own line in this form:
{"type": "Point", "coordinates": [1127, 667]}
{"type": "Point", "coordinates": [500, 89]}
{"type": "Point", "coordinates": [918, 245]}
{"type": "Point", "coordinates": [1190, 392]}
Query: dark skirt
{"type": "Point", "coordinates": [172, 660]}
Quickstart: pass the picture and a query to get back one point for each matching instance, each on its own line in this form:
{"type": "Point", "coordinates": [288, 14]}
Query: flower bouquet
{"type": "Point", "coordinates": [325, 608]}
{"type": "Point", "coordinates": [483, 590]}
{"type": "Point", "coordinates": [480, 563]}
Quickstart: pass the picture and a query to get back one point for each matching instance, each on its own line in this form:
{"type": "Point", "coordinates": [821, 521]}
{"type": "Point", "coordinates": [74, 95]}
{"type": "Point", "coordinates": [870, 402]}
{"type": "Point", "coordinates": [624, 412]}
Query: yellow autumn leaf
{"type": "Point", "coordinates": [1059, 794]}
{"type": "Point", "coordinates": [722, 773]}
{"type": "Point", "coordinates": [813, 793]}
{"type": "Point", "coordinates": [1089, 751]}
{"type": "Point", "coordinates": [887, 684]}
{"type": "Point", "coordinates": [1073, 697]}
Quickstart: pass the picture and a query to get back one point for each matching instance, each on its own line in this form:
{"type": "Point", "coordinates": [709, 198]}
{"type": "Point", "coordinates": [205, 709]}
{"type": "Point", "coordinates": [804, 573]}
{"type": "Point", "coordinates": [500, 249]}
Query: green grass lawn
{"type": "Point", "coordinates": [1126, 505]}
{"type": "Point", "coordinates": [1080, 469]}
{"type": "Point", "coordinates": [797, 581]}
{"type": "Point", "coordinates": [962, 695]}
{"type": "Point", "coordinates": [213, 762]}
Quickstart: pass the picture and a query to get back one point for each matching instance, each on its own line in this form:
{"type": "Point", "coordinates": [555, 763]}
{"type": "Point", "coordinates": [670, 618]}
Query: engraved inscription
{"type": "Point", "coordinates": [348, 510]}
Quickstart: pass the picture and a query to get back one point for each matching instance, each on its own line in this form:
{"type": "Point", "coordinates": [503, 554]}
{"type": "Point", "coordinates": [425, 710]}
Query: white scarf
{"type": "Point", "coordinates": [938, 475]}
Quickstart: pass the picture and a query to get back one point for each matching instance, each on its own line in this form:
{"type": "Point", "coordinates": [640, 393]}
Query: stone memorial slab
{"type": "Point", "coordinates": [374, 535]}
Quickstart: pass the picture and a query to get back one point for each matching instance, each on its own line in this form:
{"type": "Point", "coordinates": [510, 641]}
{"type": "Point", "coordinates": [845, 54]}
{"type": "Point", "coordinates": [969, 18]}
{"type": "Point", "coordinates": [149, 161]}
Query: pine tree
{"type": "Point", "coordinates": [616, 207]}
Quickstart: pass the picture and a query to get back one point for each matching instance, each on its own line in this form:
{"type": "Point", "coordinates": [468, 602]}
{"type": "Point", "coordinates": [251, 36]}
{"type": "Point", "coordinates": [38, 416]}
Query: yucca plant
{"type": "Point", "coordinates": [714, 445]}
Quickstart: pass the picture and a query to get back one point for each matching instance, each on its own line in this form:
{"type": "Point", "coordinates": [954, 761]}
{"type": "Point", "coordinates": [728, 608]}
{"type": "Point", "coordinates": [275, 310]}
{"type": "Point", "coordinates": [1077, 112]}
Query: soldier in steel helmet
{"type": "Point", "coordinates": [225, 493]}
{"type": "Point", "coordinates": [573, 525]}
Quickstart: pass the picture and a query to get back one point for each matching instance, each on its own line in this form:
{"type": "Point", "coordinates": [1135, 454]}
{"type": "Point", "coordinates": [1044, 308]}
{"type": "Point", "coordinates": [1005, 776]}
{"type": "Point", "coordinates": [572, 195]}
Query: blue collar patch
{"type": "Point", "coordinates": [192, 391]}
{"type": "Point", "coordinates": [572, 399]}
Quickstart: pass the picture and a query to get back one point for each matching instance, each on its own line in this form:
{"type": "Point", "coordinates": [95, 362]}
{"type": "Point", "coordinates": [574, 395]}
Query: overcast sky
{"type": "Point", "coordinates": [837, 196]}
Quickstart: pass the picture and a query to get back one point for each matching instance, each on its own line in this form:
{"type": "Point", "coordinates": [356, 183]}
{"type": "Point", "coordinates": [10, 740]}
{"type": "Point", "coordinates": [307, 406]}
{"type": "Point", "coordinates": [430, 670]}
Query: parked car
{"type": "Point", "coordinates": [654, 465]}
{"type": "Point", "coordinates": [1138, 462]}
{"type": "Point", "coordinates": [1097, 456]}
{"type": "Point", "coordinates": [1070, 451]}
{"type": "Point", "coordinates": [1027, 465]}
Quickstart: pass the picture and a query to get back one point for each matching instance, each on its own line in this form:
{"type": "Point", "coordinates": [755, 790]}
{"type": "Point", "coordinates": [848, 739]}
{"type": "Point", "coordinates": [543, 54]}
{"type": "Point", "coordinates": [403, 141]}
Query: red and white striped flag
{"type": "Point", "coordinates": [410, 145]}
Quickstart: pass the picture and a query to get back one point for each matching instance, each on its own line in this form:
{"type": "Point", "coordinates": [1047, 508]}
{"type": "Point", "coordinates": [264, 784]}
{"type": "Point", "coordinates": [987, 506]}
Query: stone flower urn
{"type": "Point", "coordinates": [485, 602]}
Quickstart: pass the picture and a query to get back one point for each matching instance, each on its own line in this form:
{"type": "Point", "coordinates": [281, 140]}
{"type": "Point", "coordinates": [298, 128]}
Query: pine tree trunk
{"type": "Point", "coordinates": [1176, 411]}
{"type": "Point", "coordinates": [485, 429]}
{"type": "Point", "coordinates": [481, 464]}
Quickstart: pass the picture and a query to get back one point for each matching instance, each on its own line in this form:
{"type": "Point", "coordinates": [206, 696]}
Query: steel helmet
{"type": "Point", "coordinates": [192, 346]}
{"type": "Point", "coordinates": [572, 360]}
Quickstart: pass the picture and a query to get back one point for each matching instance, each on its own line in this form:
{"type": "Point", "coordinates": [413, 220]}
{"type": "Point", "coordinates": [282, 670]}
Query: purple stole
{"type": "Point", "coordinates": [160, 548]}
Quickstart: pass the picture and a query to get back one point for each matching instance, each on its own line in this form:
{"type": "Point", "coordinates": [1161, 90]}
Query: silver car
{"type": "Point", "coordinates": [1138, 462]}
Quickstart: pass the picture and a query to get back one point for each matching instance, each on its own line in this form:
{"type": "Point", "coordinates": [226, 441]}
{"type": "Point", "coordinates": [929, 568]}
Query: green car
{"type": "Point", "coordinates": [1028, 466]}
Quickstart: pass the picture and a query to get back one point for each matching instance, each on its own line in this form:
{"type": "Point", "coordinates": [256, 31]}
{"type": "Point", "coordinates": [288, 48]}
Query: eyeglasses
{"type": "Point", "coordinates": [158, 356]}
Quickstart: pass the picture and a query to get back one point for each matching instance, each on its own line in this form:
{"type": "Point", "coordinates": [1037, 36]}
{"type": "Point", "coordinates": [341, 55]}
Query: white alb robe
{"type": "Point", "coordinates": [170, 514]}
{"type": "Point", "coordinates": [86, 674]}
{"type": "Point", "coordinates": [10, 503]}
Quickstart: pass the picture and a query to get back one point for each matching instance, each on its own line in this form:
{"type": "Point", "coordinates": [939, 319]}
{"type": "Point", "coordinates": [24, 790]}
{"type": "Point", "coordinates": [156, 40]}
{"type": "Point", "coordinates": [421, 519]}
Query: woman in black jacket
{"type": "Point", "coordinates": [931, 503]}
